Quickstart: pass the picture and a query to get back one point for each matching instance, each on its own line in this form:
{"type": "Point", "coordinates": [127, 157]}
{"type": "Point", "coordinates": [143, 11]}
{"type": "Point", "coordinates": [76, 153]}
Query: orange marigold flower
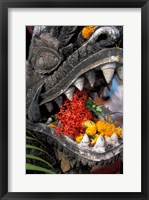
{"type": "Point", "coordinates": [52, 125]}
{"type": "Point", "coordinates": [79, 138]}
{"type": "Point", "coordinates": [107, 129]}
{"type": "Point", "coordinates": [87, 31]}
{"type": "Point", "coordinates": [90, 127]}
{"type": "Point", "coordinates": [118, 131]}
{"type": "Point", "coordinates": [93, 141]}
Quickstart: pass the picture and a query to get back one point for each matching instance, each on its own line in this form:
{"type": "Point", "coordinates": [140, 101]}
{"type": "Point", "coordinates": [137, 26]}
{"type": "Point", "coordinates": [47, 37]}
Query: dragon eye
{"type": "Point", "coordinates": [46, 60]}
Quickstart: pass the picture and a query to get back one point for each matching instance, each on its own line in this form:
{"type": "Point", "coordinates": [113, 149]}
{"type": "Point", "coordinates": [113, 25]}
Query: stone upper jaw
{"type": "Point", "coordinates": [91, 54]}
{"type": "Point", "coordinates": [107, 60]}
{"type": "Point", "coordinates": [62, 79]}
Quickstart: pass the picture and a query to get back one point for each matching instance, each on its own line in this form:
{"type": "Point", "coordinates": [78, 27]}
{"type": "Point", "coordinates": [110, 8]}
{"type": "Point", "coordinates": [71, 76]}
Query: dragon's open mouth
{"type": "Point", "coordinates": [95, 72]}
{"type": "Point", "coordinates": [98, 83]}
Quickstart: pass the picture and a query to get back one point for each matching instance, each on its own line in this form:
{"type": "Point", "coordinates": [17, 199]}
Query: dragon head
{"type": "Point", "coordinates": [63, 59]}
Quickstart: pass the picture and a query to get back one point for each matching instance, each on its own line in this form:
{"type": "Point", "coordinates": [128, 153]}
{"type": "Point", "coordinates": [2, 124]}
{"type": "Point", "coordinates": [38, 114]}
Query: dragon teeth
{"type": "Point", "coordinates": [114, 139]}
{"type": "Point", "coordinates": [93, 95]}
{"type": "Point", "coordinates": [100, 142]}
{"type": "Point", "coordinates": [91, 76]}
{"type": "Point", "coordinates": [109, 66]}
{"type": "Point", "coordinates": [85, 141]}
{"type": "Point", "coordinates": [99, 145]}
{"type": "Point", "coordinates": [105, 93]}
{"type": "Point", "coordinates": [108, 140]}
{"type": "Point", "coordinates": [49, 106]}
{"type": "Point", "coordinates": [119, 72]}
{"type": "Point", "coordinates": [69, 93]}
{"type": "Point", "coordinates": [109, 86]}
{"type": "Point", "coordinates": [59, 101]}
{"type": "Point", "coordinates": [108, 71]}
{"type": "Point", "coordinates": [49, 120]}
{"type": "Point", "coordinates": [108, 74]}
{"type": "Point", "coordinates": [79, 83]}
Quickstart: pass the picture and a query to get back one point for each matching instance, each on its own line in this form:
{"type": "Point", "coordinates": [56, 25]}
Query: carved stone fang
{"type": "Point", "coordinates": [91, 76]}
{"type": "Point", "coordinates": [49, 106]}
{"type": "Point", "coordinates": [49, 121]}
{"type": "Point", "coordinates": [85, 141]}
{"type": "Point", "coordinates": [108, 140]}
{"type": "Point", "coordinates": [59, 101]}
{"type": "Point", "coordinates": [79, 83]}
{"type": "Point", "coordinates": [100, 144]}
{"type": "Point", "coordinates": [114, 139]}
{"type": "Point", "coordinates": [108, 71]}
{"type": "Point", "coordinates": [69, 93]}
{"type": "Point", "coordinates": [105, 93]}
{"type": "Point", "coordinates": [119, 72]}
{"type": "Point", "coordinates": [108, 74]}
{"type": "Point", "coordinates": [93, 95]}
{"type": "Point", "coordinates": [109, 86]}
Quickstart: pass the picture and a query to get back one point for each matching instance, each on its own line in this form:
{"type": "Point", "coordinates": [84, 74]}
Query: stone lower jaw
{"type": "Point", "coordinates": [71, 148]}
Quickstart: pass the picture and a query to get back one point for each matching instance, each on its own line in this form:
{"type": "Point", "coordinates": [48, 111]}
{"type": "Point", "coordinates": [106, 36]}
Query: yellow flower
{"type": "Point", "coordinates": [79, 138]}
{"type": "Point", "coordinates": [118, 131]}
{"type": "Point", "coordinates": [87, 31]}
{"type": "Point", "coordinates": [90, 127]}
{"type": "Point", "coordinates": [95, 139]}
{"type": "Point", "coordinates": [107, 129]}
{"type": "Point", "coordinates": [52, 125]}
{"type": "Point", "coordinates": [100, 125]}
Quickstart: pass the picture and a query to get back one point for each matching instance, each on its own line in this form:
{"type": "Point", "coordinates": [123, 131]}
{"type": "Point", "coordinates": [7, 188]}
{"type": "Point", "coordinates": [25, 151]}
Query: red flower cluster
{"type": "Point", "coordinates": [72, 114]}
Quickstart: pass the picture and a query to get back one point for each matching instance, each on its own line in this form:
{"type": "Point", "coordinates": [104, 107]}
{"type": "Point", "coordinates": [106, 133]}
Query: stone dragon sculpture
{"type": "Point", "coordinates": [59, 61]}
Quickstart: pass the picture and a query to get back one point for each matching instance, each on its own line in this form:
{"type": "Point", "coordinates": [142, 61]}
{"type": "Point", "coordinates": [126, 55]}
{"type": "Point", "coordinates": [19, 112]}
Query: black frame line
{"type": "Point", "coordinates": [4, 5]}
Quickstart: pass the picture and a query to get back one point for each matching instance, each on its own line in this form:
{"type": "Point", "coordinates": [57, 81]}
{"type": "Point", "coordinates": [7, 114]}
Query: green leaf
{"type": "Point", "coordinates": [98, 108]}
{"type": "Point", "coordinates": [89, 107]}
{"type": "Point", "coordinates": [89, 102]}
{"type": "Point", "coordinates": [37, 168]}
{"type": "Point", "coordinates": [38, 158]}
{"type": "Point", "coordinates": [30, 138]}
{"type": "Point", "coordinates": [102, 113]}
{"type": "Point", "coordinates": [35, 139]}
{"type": "Point", "coordinates": [28, 146]}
